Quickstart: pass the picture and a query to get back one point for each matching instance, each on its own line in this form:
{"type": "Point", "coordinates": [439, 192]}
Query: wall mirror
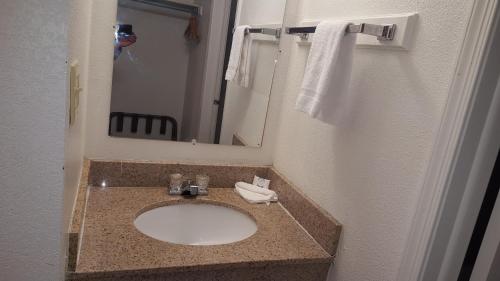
{"type": "Point", "coordinates": [169, 73]}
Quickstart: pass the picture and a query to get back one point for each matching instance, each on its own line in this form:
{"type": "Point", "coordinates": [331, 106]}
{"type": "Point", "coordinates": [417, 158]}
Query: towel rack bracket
{"type": "Point", "coordinates": [384, 32]}
{"type": "Point", "coordinates": [276, 32]}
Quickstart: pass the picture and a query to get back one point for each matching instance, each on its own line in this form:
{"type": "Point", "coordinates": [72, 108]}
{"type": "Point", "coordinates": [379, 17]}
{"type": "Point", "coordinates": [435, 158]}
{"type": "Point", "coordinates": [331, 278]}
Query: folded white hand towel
{"type": "Point", "coordinates": [238, 68]}
{"type": "Point", "coordinates": [254, 194]}
{"type": "Point", "coordinates": [325, 87]}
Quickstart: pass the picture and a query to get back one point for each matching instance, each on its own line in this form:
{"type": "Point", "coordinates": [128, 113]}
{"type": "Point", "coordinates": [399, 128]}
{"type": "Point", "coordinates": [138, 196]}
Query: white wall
{"type": "Point", "coordinates": [369, 174]}
{"type": "Point", "coordinates": [33, 71]}
{"type": "Point", "coordinates": [260, 12]}
{"type": "Point", "coordinates": [149, 77]}
{"type": "Point", "coordinates": [245, 109]}
{"type": "Point", "coordinates": [100, 146]}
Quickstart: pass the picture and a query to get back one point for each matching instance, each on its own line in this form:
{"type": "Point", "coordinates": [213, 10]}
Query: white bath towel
{"type": "Point", "coordinates": [238, 68]}
{"type": "Point", "coordinates": [325, 87]}
{"type": "Point", "coordinates": [255, 194]}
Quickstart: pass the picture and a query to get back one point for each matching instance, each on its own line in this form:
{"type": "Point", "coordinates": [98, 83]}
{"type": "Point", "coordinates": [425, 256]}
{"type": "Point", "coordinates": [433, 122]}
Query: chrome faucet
{"type": "Point", "coordinates": [190, 190]}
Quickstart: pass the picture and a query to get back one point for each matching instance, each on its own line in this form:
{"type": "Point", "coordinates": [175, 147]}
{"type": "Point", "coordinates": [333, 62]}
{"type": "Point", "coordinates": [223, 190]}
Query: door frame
{"type": "Point", "coordinates": [214, 64]}
{"type": "Point", "coordinates": [462, 158]}
{"type": "Point", "coordinates": [223, 83]}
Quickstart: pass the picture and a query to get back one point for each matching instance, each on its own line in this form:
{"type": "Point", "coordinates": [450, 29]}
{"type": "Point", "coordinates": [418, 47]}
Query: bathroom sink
{"type": "Point", "coordinates": [196, 224]}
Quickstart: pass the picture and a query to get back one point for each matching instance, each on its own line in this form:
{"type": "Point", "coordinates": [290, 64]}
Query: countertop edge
{"type": "Point", "coordinates": [204, 267]}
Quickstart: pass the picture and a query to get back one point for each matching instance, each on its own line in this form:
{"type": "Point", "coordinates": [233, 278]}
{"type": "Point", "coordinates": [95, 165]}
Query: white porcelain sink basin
{"type": "Point", "coordinates": [196, 224]}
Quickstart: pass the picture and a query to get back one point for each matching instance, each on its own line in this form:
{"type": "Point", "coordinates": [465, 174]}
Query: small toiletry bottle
{"type": "Point", "coordinates": [202, 183]}
{"type": "Point", "coordinates": [175, 183]}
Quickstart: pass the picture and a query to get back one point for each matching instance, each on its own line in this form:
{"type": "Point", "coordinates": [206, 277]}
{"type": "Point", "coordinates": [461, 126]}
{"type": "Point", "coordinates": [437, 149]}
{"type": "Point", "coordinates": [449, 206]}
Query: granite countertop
{"type": "Point", "coordinates": [111, 244]}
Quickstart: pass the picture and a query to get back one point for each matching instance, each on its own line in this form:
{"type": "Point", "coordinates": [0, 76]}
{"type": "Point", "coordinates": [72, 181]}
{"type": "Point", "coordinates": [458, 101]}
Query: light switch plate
{"type": "Point", "coordinates": [74, 91]}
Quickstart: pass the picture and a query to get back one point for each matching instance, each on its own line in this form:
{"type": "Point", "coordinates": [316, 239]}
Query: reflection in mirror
{"type": "Point", "coordinates": [170, 69]}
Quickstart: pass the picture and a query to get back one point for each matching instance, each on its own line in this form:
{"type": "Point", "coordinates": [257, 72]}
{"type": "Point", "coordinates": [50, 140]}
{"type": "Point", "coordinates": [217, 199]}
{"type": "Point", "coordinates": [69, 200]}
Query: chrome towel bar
{"type": "Point", "coordinates": [383, 32]}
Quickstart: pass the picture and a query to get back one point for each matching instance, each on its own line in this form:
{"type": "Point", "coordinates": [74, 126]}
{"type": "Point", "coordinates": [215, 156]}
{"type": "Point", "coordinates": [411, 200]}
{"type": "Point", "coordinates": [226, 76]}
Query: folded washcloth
{"type": "Point", "coordinates": [325, 87]}
{"type": "Point", "coordinates": [238, 68]}
{"type": "Point", "coordinates": [254, 194]}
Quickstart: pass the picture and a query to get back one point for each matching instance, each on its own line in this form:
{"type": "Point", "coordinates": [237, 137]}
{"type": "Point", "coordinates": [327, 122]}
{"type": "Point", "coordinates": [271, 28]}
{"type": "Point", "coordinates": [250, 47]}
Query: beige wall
{"type": "Point", "coordinates": [78, 50]}
{"type": "Point", "coordinates": [369, 173]}
{"type": "Point", "coordinates": [33, 73]}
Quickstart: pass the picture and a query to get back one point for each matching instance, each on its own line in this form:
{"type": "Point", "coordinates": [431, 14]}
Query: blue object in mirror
{"type": "Point", "coordinates": [124, 37]}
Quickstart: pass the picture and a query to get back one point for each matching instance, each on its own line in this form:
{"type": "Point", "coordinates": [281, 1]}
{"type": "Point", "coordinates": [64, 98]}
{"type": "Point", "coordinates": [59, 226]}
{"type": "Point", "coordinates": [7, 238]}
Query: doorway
{"type": "Point", "coordinates": [485, 222]}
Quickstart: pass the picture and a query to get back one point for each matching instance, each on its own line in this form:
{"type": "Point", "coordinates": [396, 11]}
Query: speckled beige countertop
{"type": "Point", "coordinates": [111, 244]}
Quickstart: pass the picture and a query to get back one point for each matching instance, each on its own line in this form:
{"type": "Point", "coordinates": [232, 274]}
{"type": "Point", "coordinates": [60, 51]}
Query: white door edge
{"type": "Point", "coordinates": [425, 251]}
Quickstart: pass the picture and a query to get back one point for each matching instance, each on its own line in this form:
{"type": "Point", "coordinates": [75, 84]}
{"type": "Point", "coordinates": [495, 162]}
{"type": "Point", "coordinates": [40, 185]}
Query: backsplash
{"type": "Point", "coordinates": [149, 174]}
{"type": "Point", "coordinates": [321, 225]}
